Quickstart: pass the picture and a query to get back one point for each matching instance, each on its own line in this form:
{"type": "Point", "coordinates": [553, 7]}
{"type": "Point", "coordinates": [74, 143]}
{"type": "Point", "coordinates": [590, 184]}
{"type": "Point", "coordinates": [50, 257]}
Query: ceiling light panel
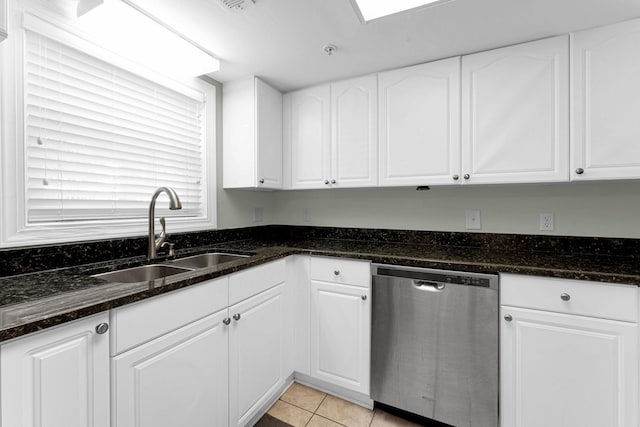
{"type": "Point", "coordinates": [374, 9]}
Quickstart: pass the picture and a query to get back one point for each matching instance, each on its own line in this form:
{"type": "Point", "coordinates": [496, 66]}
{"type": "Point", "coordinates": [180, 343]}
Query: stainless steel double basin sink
{"type": "Point", "coordinates": [146, 273]}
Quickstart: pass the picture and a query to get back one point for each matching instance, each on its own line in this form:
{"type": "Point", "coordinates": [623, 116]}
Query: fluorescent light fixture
{"type": "Point", "coordinates": [129, 30]}
{"type": "Point", "coordinates": [374, 9]}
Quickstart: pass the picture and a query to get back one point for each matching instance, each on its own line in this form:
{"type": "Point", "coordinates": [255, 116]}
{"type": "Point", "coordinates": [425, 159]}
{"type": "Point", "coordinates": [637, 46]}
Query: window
{"type": "Point", "coordinates": [93, 136]}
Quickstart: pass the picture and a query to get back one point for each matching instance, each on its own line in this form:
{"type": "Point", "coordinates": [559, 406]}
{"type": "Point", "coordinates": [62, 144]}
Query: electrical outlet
{"type": "Point", "coordinates": [473, 220]}
{"type": "Point", "coordinates": [546, 222]}
{"type": "Point", "coordinates": [306, 216]}
{"type": "Point", "coordinates": [258, 214]}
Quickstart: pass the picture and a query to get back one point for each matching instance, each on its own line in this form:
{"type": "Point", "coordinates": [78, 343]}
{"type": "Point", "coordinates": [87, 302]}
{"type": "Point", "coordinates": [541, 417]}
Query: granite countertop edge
{"type": "Point", "coordinates": [93, 296]}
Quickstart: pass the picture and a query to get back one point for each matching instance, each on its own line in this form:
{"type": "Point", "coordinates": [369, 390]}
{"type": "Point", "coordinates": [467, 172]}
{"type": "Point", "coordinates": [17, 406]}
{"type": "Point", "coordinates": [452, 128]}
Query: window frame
{"type": "Point", "coordinates": [14, 227]}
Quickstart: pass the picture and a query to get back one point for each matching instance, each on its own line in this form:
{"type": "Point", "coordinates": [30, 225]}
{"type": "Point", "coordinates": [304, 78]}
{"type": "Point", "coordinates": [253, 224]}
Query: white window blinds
{"type": "Point", "coordinates": [99, 140]}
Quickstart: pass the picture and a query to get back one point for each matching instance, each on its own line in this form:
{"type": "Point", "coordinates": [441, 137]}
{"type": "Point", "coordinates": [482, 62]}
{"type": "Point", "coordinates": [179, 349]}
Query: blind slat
{"type": "Point", "coordinates": [100, 140]}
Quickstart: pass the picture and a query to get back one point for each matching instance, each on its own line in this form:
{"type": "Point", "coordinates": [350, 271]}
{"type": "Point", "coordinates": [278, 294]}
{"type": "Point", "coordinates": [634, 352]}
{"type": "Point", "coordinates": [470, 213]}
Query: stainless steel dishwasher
{"type": "Point", "coordinates": [434, 344]}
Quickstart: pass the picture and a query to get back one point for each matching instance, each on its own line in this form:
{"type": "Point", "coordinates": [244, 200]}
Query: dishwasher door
{"type": "Point", "coordinates": [434, 344]}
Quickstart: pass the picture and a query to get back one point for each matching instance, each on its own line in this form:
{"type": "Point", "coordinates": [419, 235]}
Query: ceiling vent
{"type": "Point", "coordinates": [235, 5]}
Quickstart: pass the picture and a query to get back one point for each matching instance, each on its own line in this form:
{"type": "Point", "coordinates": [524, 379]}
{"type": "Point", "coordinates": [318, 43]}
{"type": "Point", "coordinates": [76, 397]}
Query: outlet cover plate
{"type": "Point", "coordinates": [473, 219]}
{"type": "Point", "coordinates": [546, 222]}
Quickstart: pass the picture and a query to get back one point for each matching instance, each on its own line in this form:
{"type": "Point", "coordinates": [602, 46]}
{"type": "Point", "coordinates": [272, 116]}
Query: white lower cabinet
{"type": "Point", "coordinates": [178, 379]}
{"type": "Point", "coordinates": [58, 377]}
{"type": "Point", "coordinates": [256, 353]}
{"type": "Point", "coordinates": [560, 369]}
{"type": "Point", "coordinates": [340, 339]}
{"type": "Point", "coordinates": [341, 322]}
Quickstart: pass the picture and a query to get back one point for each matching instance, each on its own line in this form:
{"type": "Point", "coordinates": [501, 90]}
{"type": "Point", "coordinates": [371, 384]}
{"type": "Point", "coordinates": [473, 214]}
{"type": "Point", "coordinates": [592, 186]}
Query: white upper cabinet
{"type": "Point", "coordinates": [332, 134]}
{"type": "Point", "coordinates": [3, 19]}
{"type": "Point", "coordinates": [606, 103]}
{"type": "Point", "coordinates": [354, 132]}
{"type": "Point", "coordinates": [308, 133]}
{"type": "Point", "coordinates": [515, 113]}
{"type": "Point", "coordinates": [252, 141]}
{"type": "Point", "coordinates": [419, 113]}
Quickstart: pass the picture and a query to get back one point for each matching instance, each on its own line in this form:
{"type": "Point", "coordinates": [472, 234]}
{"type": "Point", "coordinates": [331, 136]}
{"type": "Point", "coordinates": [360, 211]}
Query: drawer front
{"type": "Point", "coordinates": [337, 270]}
{"type": "Point", "coordinates": [143, 321]}
{"type": "Point", "coordinates": [251, 282]}
{"type": "Point", "coordinates": [584, 298]}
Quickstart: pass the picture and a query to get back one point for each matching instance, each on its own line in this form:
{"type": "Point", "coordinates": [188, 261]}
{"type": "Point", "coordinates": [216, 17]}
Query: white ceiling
{"type": "Point", "coordinates": [282, 40]}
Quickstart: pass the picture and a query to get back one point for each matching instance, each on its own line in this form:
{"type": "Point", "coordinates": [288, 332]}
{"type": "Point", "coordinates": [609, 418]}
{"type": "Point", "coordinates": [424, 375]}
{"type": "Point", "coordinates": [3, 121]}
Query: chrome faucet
{"type": "Point", "coordinates": [174, 203]}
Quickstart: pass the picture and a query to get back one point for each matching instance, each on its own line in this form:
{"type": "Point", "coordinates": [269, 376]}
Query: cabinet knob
{"type": "Point", "coordinates": [336, 272]}
{"type": "Point", "coordinates": [456, 177]}
{"type": "Point", "coordinates": [565, 297]}
{"type": "Point", "coordinates": [363, 297]}
{"type": "Point", "coordinates": [333, 181]}
{"type": "Point", "coordinates": [508, 317]}
{"type": "Point", "coordinates": [467, 176]}
{"type": "Point", "coordinates": [326, 181]}
{"type": "Point", "coordinates": [102, 328]}
{"type": "Point", "coordinates": [579, 171]}
{"type": "Point", "coordinates": [261, 181]}
{"type": "Point", "coordinates": [236, 316]}
{"type": "Point", "coordinates": [226, 321]}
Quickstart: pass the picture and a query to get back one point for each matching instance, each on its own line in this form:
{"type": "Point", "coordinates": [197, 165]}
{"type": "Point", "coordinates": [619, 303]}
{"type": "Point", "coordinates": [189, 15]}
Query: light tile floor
{"type": "Point", "coordinates": [302, 406]}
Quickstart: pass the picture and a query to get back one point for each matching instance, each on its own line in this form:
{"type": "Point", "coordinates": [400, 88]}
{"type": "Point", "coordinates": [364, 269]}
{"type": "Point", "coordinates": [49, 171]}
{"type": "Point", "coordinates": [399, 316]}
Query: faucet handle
{"type": "Point", "coordinates": [171, 251]}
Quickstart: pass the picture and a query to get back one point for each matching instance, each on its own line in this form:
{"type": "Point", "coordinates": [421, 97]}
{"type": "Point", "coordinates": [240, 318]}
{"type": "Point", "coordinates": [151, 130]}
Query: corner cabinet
{"type": "Point", "coordinates": [515, 114]}
{"type": "Point", "coordinates": [58, 377]}
{"type": "Point", "coordinates": [606, 105]}
{"type": "Point", "coordinates": [331, 135]}
{"type": "Point", "coordinates": [252, 141]}
{"type": "Point", "coordinates": [341, 322]}
{"type": "Point", "coordinates": [419, 114]}
{"type": "Point", "coordinates": [569, 353]}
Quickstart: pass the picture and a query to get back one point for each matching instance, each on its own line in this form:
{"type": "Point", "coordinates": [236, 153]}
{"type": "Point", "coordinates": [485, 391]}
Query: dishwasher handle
{"type": "Point", "coordinates": [425, 285]}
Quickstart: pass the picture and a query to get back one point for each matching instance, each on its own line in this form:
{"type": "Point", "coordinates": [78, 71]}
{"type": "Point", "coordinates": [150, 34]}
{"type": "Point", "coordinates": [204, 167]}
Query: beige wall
{"type": "Point", "coordinates": [600, 209]}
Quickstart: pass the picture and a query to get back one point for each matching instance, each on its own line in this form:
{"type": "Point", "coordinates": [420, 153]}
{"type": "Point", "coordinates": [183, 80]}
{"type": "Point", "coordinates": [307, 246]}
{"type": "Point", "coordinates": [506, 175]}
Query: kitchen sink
{"type": "Point", "coordinates": [210, 259]}
{"type": "Point", "coordinates": [143, 273]}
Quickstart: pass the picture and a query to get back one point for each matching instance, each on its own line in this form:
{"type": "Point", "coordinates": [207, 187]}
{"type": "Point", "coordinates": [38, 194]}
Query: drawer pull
{"type": "Point", "coordinates": [236, 317]}
{"type": "Point", "coordinates": [508, 317]}
{"type": "Point", "coordinates": [336, 272]}
{"type": "Point", "coordinates": [565, 297]}
{"type": "Point", "coordinates": [363, 297]}
{"type": "Point", "coordinates": [226, 321]}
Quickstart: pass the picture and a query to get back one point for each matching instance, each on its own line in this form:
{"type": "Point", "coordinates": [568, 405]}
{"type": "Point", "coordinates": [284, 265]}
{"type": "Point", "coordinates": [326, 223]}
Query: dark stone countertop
{"type": "Point", "coordinates": [34, 301]}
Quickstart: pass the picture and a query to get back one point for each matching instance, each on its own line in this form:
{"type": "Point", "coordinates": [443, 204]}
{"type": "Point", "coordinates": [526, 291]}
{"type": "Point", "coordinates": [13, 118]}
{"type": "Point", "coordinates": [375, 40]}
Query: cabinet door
{"type": "Point", "coordinates": [310, 138]}
{"type": "Point", "coordinates": [256, 353]}
{"type": "Point", "coordinates": [58, 377]}
{"type": "Point", "coordinates": [560, 370]}
{"type": "Point", "coordinates": [606, 105]}
{"type": "Point", "coordinates": [419, 113]}
{"type": "Point", "coordinates": [252, 140]}
{"type": "Point", "coordinates": [354, 132]}
{"type": "Point", "coordinates": [340, 334]}
{"type": "Point", "coordinates": [179, 379]}
{"type": "Point", "coordinates": [268, 135]}
{"type": "Point", "coordinates": [515, 113]}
